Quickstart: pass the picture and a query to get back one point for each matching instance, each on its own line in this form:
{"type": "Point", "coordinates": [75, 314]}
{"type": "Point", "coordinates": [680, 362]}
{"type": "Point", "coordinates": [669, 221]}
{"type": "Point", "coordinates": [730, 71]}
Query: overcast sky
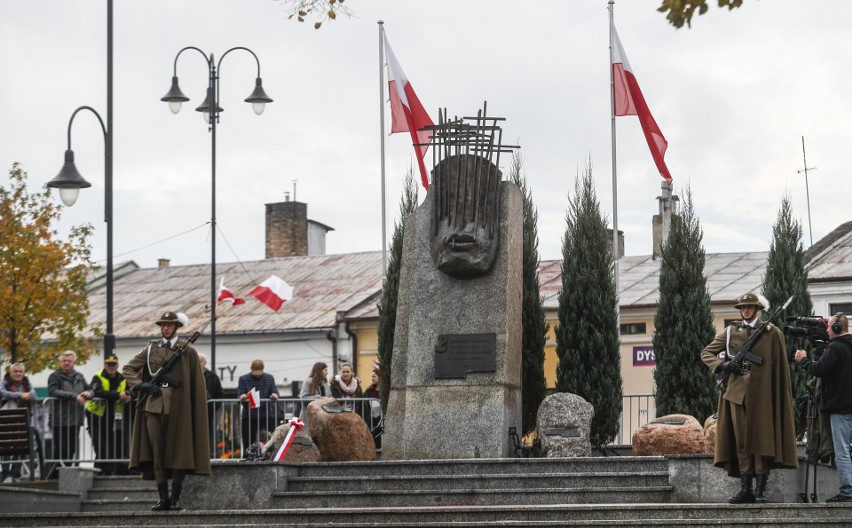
{"type": "Point", "coordinates": [733, 95]}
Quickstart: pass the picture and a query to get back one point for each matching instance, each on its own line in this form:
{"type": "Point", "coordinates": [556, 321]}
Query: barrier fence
{"type": "Point", "coordinates": [69, 435]}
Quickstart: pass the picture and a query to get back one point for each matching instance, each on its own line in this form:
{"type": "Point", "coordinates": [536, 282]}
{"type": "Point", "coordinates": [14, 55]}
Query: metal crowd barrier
{"type": "Point", "coordinates": [70, 435]}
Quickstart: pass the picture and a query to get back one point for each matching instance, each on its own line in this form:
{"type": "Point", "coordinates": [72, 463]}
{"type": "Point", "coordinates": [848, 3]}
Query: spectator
{"type": "Point", "coordinates": [105, 415]}
{"type": "Point", "coordinates": [373, 407]}
{"type": "Point", "coordinates": [214, 392]}
{"type": "Point", "coordinates": [316, 386]}
{"type": "Point", "coordinates": [345, 385]}
{"type": "Point", "coordinates": [15, 392]}
{"type": "Point", "coordinates": [835, 369]}
{"type": "Point", "coordinates": [68, 388]}
{"type": "Point", "coordinates": [256, 420]}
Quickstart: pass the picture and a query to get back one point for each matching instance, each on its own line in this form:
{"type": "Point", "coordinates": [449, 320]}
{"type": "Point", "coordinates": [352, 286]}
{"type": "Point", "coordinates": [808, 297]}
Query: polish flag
{"type": "Point", "coordinates": [295, 425]}
{"type": "Point", "coordinates": [407, 114]}
{"type": "Point", "coordinates": [226, 295]}
{"type": "Point", "coordinates": [628, 100]}
{"type": "Point", "coordinates": [273, 292]}
{"type": "Point", "coordinates": [254, 398]}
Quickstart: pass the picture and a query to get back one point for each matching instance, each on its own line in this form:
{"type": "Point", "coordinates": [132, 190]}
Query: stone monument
{"type": "Point", "coordinates": [456, 371]}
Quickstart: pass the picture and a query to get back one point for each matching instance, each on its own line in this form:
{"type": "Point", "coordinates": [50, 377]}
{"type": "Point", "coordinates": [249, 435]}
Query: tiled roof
{"type": "Point", "coordinates": [329, 288]}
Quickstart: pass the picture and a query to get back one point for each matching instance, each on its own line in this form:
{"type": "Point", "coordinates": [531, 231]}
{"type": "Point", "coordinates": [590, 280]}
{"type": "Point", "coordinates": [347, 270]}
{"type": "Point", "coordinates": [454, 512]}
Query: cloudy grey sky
{"type": "Point", "coordinates": [733, 95]}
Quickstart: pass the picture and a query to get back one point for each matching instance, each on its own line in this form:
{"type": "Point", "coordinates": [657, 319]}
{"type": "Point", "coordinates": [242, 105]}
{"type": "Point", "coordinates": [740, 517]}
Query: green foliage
{"type": "Point", "coordinates": [680, 11]}
{"type": "Point", "coordinates": [683, 322]}
{"type": "Point", "coordinates": [45, 306]}
{"type": "Point", "coordinates": [390, 288]}
{"type": "Point", "coordinates": [587, 333]}
{"type": "Point", "coordinates": [534, 321]}
{"type": "Point", "coordinates": [785, 276]}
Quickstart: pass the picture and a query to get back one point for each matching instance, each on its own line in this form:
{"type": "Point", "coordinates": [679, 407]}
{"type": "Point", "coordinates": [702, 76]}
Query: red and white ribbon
{"type": "Point", "coordinates": [295, 424]}
{"type": "Point", "coordinates": [254, 398]}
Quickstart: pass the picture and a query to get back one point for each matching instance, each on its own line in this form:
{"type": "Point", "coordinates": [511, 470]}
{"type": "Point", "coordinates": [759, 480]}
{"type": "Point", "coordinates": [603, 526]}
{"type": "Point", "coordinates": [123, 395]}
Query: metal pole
{"type": "Point", "coordinates": [615, 255]}
{"type": "Point", "coordinates": [807, 189]}
{"type": "Point", "coordinates": [109, 338]}
{"type": "Point", "coordinates": [382, 142]}
{"type": "Point", "coordinates": [214, 117]}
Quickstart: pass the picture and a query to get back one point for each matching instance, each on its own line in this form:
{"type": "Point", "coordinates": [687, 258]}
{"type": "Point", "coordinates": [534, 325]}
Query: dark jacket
{"type": "Point", "coordinates": [835, 369]}
{"type": "Point", "coordinates": [214, 385]}
{"type": "Point", "coordinates": [65, 388]}
{"type": "Point", "coordinates": [10, 391]}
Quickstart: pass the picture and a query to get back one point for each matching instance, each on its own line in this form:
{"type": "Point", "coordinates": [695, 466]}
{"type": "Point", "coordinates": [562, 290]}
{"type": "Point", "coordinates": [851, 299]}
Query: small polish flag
{"type": "Point", "coordinates": [295, 425]}
{"type": "Point", "coordinates": [254, 398]}
{"type": "Point", "coordinates": [273, 292]}
{"type": "Point", "coordinates": [226, 295]}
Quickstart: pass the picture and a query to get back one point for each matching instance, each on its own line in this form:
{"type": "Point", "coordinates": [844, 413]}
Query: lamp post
{"type": "Point", "coordinates": [69, 182]}
{"type": "Point", "coordinates": [210, 110]}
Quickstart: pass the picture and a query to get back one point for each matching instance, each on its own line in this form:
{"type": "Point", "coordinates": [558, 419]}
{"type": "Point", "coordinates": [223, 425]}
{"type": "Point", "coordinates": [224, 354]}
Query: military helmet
{"type": "Point", "coordinates": [170, 318]}
{"type": "Point", "coordinates": [749, 299]}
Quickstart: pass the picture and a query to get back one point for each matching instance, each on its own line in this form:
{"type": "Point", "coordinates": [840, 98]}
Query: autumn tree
{"type": "Point", "coordinates": [786, 275]}
{"type": "Point", "coordinates": [587, 333]}
{"type": "Point", "coordinates": [42, 279]}
{"type": "Point", "coordinates": [679, 12]}
{"type": "Point", "coordinates": [320, 10]}
{"type": "Point", "coordinates": [683, 322]}
{"type": "Point", "coordinates": [390, 288]}
{"type": "Point", "coordinates": [533, 319]}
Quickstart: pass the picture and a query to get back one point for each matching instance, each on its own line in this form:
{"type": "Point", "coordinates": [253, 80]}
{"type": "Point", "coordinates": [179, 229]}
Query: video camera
{"type": "Point", "coordinates": [814, 329]}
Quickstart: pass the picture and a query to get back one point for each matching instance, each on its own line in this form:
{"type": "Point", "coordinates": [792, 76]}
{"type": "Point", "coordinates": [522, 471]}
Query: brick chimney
{"type": "Point", "coordinates": [286, 229]}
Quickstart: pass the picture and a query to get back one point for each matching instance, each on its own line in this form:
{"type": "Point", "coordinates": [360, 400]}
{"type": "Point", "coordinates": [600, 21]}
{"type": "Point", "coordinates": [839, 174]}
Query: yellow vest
{"type": "Point", "coordinates": [98, 408]}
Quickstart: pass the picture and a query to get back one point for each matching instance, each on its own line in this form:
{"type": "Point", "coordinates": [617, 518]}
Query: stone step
{"type": "Point", "coordinates": [770, 515]}
{"type": "Point", "coordinates": [122, 493]}
{"type": "Point", "coordinates": [471, 497]}
{"type": "Point", "coordinates": [124, 482]}
{"type": "Point", "coordinates": [493, 481]}
{"type": "Point", "coordinates": [613, 464]}
{"type": "Point", "coordinates": [128, 504]}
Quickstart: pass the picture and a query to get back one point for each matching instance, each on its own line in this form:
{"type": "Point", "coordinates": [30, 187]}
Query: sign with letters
{"type": "Point", "coordinates": [643, 356]}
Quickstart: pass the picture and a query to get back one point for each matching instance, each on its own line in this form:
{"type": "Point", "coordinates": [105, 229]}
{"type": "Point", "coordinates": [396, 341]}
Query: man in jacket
{"type": "Point", "coordinates": [835, 369]}
{"type": "Point", "coordinates": [105, 415]}
{"type": "Point", "coordinates": [755, 429]}
{"type": "Point", "coordinates": [69, 391]}
{"type": "Point", "coordinates": [170, 438]}
{"type": "Point", "coordinates": [259, 418]}
{"type": "Point", "coordinates": [214, 392]}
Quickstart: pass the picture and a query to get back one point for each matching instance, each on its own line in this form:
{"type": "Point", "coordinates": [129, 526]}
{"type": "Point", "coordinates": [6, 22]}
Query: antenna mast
{"type": "Point", "coordinates": [807, 190]}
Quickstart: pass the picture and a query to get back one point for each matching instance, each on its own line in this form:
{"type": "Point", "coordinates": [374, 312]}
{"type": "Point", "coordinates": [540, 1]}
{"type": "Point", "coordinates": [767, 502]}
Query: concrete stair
{"type": "Point", "coordinates": [111, 494]}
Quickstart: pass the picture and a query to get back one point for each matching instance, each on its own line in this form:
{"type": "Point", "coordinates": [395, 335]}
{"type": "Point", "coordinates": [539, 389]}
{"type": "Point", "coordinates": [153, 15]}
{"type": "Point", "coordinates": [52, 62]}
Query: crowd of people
{"type": "Point", "coordinates": [108, 406]}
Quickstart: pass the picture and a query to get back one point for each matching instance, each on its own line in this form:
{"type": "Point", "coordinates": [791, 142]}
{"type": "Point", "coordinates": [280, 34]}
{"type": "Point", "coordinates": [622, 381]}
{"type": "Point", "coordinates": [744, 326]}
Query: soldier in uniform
{"type": "Point", "coordinates": [169, 434]}
{"type": "Point", "coordinates": [755, 429]}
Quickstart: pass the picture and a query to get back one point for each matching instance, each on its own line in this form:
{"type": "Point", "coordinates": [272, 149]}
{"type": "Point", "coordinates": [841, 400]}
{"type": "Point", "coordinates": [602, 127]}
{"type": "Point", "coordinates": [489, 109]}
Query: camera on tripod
{"type": "Point", "coordinates": [814, 329]}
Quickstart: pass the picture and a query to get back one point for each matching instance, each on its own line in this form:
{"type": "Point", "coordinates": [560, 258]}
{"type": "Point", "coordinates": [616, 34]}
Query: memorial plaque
{"type": "Point", "coordinates": [675, 421]}
{"type": "Point", "coordinates": [566, 432]}
{"type": "Point", "coordinates": [456, 355]}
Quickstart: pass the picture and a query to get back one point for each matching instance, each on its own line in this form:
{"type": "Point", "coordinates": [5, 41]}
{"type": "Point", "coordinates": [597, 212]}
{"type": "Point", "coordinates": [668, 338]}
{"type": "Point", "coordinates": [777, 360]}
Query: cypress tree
{"type": "Point", "coordinates": [786, 275]}
{"type": "Point", "coordinates": [533, 320]}
{"type": "Point", "coordinates": [587, 333]}
{"type": "Point", "coordinates": [683, 322]}
{"type": "Point", "coordinates": [390, 287]}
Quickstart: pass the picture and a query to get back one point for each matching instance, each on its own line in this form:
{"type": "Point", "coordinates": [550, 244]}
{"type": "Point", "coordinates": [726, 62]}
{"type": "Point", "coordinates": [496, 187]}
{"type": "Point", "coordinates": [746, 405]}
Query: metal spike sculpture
{"type": "Point", "coordinates": [466, 193]}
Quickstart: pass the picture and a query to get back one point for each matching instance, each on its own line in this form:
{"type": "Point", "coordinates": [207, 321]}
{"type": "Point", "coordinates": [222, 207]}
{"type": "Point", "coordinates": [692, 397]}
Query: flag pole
{"type": "Point", "coordinates": [615, 254]}
{"type": "Point", "coordinates": [382, 133]}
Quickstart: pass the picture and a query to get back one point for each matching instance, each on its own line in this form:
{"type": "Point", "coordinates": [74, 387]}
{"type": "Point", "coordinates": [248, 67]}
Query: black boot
{"type": "Point", "coordinates": [760, 489]}
{"type": "Point", "coordinates": [175, 499]}
{"type": "Point", "coordinates": [163, 503]}
{"type": "Point", "coordinates": [746, 495]}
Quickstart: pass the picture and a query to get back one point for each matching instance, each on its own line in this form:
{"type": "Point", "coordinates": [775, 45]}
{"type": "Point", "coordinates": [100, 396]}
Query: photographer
{"type": "Point", "coordinates": [835, 369]}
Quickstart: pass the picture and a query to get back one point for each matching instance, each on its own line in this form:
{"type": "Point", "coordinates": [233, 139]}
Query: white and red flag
{"type": "Point", "coordinates": [628, 100]}
{"type": "Point", "coordinates": [273, 292]}
{"type": "Point", "coordinates": [254, 398]}
{"type": "Point", "coordinates": [407, 114]}
{"type": "Point", "coordinates": [295, 424]}
{"type": "Point", "coordinates": [225, 294]}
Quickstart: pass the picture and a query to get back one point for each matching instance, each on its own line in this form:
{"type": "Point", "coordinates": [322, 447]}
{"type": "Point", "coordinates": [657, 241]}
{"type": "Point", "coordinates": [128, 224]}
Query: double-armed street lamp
{"type": "Point", "coordinates": [210, 110]}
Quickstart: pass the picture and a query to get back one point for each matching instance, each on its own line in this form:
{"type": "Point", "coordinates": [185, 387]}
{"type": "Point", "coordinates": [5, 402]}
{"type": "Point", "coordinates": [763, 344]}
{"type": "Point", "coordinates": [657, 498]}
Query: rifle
{"type": "Point", "coordinates": [745, 353]}
{"type": "Point", "coordinates": [162, 375]}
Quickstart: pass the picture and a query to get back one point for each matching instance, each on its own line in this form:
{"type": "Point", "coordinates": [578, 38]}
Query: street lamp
{"type": "Point", "coordinates": [69, 181]}
{"type": "Point", "coordinates": [210, 110]}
